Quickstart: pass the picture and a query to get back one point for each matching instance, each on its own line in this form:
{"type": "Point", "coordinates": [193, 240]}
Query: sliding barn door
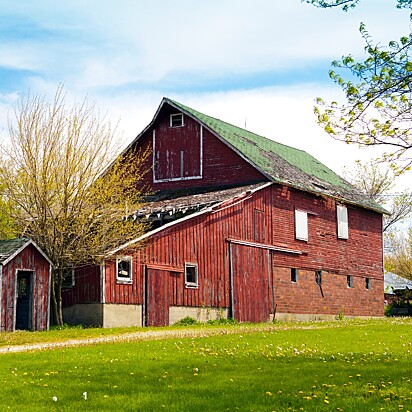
{"type": "Point", "coordinates": [252, 298]}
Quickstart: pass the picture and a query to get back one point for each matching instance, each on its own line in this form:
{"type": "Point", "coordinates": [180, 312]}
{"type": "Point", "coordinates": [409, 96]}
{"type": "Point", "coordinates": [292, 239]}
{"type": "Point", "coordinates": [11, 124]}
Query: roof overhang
{"type": "Point", "coordinates": [220, 206]}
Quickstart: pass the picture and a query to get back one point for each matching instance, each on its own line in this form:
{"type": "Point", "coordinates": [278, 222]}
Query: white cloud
{"type": "Point", "coordinates": [100, 44]}
{"type": "Point", "coordinates": [98, 48]}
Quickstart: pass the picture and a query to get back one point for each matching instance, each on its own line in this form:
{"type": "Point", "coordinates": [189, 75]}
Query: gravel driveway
{"type": "Point", "coordinates": [136, 336]}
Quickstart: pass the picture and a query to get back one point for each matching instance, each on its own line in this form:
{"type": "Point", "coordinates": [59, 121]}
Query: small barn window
{"type": "Point", "coordinates": [318, 277]}
{"type": "Point", "coordinates": [68, 278]}
{"type": "Point", "coordinates": [349, 281]}
{"type": "Point", "coordinates": [124, 269]}
{"type": "Point", "coordinates": [301, 225]}
{"type": "Point", "coordinates": [176, 120]}
{"type": "Point", "coordinates": [294, 273]}
{"type": "Point", "coordinates": [367, 283]}
{"type": "Point", "coordinates": [191, 275]}
{"type": "Point", "coordinates": [342, 219]}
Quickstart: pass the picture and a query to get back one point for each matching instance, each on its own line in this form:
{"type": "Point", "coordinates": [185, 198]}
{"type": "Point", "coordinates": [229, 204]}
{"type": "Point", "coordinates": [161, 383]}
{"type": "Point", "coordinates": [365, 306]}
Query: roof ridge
{"type": "Point", "coordinates": [233, 125]}
{"type": "Point", "coordinates": [282, 163]}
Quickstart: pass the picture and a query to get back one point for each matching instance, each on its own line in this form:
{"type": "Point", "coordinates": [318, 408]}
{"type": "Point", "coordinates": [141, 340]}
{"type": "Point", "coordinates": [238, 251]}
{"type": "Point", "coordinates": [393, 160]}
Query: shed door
{"type": "Point", "coordinates": [251, 277]}
{"type": "Point", "coordinates": [24, 300]}
{"type": "Point", "coordinates": [157, 297]}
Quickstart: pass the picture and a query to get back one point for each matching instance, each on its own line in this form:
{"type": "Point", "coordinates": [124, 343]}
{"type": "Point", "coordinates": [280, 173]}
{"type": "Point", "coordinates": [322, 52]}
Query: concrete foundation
{"type": "Point", "coordinates": [85, 314]}
{"type": "Point", "coordinates": [122, 315]}
{"type": "Point", "coordinates": [107, 316]}
{"type": "Point", "coordinates": [200, 314]}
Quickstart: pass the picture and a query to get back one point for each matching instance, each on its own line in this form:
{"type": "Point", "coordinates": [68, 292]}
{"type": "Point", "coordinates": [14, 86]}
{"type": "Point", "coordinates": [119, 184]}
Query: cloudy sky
{"type": "Point", "coordinates": [257, 63]}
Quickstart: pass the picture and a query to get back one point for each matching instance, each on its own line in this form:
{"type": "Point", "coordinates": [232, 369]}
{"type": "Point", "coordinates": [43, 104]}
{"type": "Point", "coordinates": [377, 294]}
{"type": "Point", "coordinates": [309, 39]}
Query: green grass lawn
{"type": "Point", "coordinates": [337, 366]}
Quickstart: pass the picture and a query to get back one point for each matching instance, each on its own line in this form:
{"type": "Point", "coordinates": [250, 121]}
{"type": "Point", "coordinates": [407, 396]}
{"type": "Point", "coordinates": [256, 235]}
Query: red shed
{"type": "Point", "coordinates": [24, 286]}
{"type": "Point", "coordinates": [242, 226]}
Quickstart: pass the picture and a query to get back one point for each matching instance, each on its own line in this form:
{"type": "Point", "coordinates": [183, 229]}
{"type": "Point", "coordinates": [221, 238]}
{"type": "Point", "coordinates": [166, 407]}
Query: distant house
{"type": "Point", "coordinates": [398, 293]}
{"type": "Point", "coordinates": [24, 286]}
{"type": "Point", "coordinates": [242, 227]}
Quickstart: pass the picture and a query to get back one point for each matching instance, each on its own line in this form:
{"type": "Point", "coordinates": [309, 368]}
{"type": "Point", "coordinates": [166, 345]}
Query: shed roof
{"type": "Point", "coordinates": [173, 201]}
{"type": "Point", "coordinates": [12, 247]}
{"type": "Point", "coordinates": [395, 282]}
{"type": "Point", "coordinates": [281, 163]}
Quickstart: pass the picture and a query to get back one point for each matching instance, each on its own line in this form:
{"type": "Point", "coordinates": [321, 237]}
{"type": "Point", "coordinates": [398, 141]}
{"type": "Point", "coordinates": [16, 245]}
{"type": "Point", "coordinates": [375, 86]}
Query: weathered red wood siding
{"type": "Point", "coordinates": [87, 287]}
{"type": "Point", "coordinates": [267, 217]}
{"type": "Point", "coordinates": [252, 279]}
{"type": "Point", "coordinates": [157, 292]}
{"type": "Point", "coordinates": [216, 157]}
{"type": "Point", "coordinates": [28, 260]}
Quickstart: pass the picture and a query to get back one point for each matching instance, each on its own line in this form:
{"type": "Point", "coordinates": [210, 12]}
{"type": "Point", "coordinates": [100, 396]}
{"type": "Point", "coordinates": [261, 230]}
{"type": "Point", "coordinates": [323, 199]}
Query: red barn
{"type": "Point", "coordinates": [242, 227]}
{"type": "Point", "coordinates": [24, 286]}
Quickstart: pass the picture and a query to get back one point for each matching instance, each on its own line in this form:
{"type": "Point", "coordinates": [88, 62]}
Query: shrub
{"type": "Point", "coordinates": [388, 309]}
{"type": "Point", "coordinates": [221, 321]}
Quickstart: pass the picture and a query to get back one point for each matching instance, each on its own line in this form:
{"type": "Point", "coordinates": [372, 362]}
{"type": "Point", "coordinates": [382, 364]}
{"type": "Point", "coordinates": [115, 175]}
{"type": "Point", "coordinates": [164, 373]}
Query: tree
{"type": "Point", "coordinates": [399, 261]}
{"type": "Point", "coordinates": [350, 4]}
{"type": "Point", "coordinates": [378, 91]}
{"type": "Point", "coordinates": [377, 184]}
{"type": "Point", "coordinates": [8, 228]}
{"type": "Point", "coordinates": [54, 176]}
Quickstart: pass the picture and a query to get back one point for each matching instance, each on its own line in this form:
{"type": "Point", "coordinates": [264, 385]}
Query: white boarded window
{"type": "Point", "coordinates": [342, 217]}
{"type": "Point", "coordinates": [301, 225]}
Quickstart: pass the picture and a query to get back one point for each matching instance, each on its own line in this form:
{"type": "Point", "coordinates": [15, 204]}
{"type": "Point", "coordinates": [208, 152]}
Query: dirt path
{"type": "Point", "coordinates": [133, 337]}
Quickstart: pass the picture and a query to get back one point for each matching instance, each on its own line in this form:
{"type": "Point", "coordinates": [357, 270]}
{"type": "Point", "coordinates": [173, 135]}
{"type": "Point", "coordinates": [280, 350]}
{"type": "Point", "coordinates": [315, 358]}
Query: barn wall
{"type": "Point", "coordinates": [87, 286]}
{"type": "Point", "coordinates": [268, 217]}
{"type": "Point", "coordinates": [216, 156]}
{"type": "Point", "coordinates": [333, 297]}
{"type": "Point", "coordinates": [200, 240]}
{"type": "Point", "coordinates": [361, 254]}
{"type": "Point", "coordinates": [31, 260]}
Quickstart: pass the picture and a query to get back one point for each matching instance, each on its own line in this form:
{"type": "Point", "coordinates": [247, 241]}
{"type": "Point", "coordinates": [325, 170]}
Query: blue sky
{"type": "Point", "coordinates": [259, 63]}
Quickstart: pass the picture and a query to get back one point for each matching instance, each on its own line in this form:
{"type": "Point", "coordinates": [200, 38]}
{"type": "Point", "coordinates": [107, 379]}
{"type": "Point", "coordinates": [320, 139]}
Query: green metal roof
{"type": "Point", "coordinates": [10, 246]}
{"type": "Point", "coordinates": [282, 164]}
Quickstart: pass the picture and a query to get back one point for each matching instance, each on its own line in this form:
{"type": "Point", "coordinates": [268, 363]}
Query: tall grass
{"type": "Point", "coordinates": [341, 366]}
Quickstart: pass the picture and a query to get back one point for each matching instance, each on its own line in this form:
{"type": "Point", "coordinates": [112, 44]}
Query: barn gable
{"type": "Point", "coordinates": [257, 158]}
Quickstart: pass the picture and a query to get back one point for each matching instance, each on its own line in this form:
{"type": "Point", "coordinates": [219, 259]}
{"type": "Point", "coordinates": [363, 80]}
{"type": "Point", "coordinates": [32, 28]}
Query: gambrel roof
{"type": "Point", "coordinates": [278, 162]}
{"type": "Point", "coordinates": [281, 163]}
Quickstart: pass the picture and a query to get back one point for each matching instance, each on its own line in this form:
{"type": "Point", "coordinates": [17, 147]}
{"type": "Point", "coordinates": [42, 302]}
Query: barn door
{"type": "Point", "coordinates": [24, 300]}
{"type": "Point", "coordinates": [157, 297]}
{"type": "Point", "coordinates": [251, 283]}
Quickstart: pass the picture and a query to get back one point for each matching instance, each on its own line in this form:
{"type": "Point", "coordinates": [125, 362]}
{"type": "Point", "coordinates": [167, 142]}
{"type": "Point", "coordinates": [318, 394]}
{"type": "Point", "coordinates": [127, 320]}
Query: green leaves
{"type": "Point", "coordinates": [378, 108]}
